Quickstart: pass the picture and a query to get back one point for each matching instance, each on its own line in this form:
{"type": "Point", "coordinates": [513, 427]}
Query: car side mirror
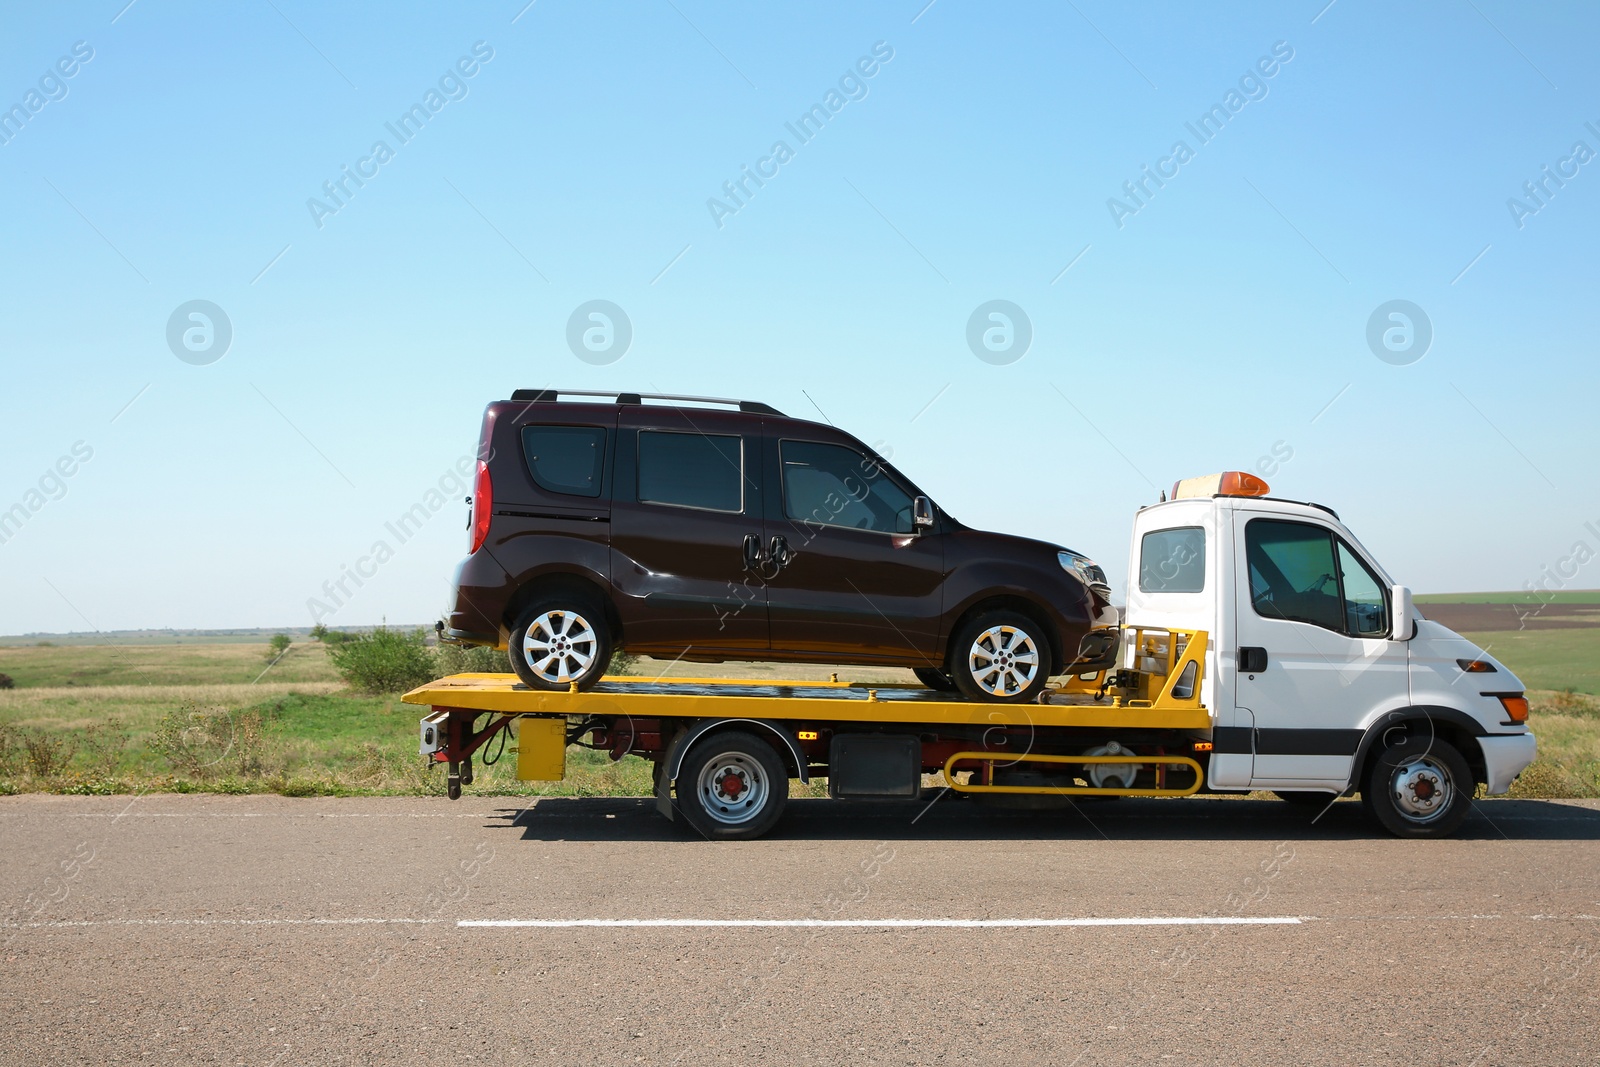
{"type": "Point", "coordinates": [922, 513]}
{"type": "Point", "coordinates": [1402, 612]}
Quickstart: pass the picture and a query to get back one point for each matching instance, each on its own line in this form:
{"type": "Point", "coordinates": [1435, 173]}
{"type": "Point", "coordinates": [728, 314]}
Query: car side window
{"type": "Point", "coordinates": [836, 486]}
{"type": "Point", "coordinates": [565, 459]}
{"type": "Point", "coordinates": [1366, 608]}
{"type": "Point", "coordinates": [1293, 574]}
{"type": "Point", "coordinates": [691, 470]}
{"type": "Point", "coordinates": [1173, 561]}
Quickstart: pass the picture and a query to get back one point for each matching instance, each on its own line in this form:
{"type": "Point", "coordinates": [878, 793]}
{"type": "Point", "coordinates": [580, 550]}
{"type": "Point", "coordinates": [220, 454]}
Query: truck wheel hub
{"type": "Point", "coordinates": [1422, 790]}
{"type": "Point", "coordinates": [733, 788]}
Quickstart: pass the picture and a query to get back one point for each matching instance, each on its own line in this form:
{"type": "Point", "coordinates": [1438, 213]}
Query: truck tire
{"type": "Point", "coordinates": [558, 640]}
{"type": "Point", "coordinates": [1000, 657]}
{"type": "Point", "coordinates": [934, 678]}
{"type": "Point", "coordinates": [732, 786]}
{"type": "Point", "coordinates": [1421, 787]}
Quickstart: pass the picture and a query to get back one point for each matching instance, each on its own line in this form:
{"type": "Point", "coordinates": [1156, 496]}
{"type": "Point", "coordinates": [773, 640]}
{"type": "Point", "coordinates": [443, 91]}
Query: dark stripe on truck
{"type": "Point", "coordinates": [1286, 741]}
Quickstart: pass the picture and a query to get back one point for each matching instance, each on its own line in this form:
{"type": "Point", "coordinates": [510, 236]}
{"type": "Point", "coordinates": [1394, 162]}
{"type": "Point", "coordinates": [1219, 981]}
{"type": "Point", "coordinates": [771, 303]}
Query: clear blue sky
{"type": "Point", "coordinates": [1215, 324]}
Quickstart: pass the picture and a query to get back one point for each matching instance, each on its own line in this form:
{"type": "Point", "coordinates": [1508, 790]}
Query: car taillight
{"type": "Point", "coordinates": [482, 506]}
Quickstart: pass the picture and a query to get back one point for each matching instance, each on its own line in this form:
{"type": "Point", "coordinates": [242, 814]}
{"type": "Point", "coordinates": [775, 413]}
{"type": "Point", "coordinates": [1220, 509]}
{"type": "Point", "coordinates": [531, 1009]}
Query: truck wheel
{"type": "Point", "coordinates": [732, 786]}
{"type": "Point", "coordinates": [935, 679]}
{"type": "Point", "coordinates": [1420, 787]}
{"type": "Point", "coordinates": [560, 640]}
{"type": "Point", "coordinates": [1000, 656]}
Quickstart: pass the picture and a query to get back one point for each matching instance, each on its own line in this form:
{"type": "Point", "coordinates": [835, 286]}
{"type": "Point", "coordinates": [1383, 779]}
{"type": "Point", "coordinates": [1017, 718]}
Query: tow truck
{"type": "Point", "coordinates": [1262, 647]}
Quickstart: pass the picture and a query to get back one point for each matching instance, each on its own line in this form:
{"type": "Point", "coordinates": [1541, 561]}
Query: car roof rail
{"type": "Point", "coordinates": [550, 396]}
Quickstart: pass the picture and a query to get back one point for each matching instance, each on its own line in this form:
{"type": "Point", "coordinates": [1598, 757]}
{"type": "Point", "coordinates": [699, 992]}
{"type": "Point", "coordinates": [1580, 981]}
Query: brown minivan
{"type": "Point", "coordinates": [709, 530]}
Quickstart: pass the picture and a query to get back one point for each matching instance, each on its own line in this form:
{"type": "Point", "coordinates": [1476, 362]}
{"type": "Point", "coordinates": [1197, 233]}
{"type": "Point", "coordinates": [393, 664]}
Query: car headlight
{"type": "Point", "coordinates": [1083, 567]}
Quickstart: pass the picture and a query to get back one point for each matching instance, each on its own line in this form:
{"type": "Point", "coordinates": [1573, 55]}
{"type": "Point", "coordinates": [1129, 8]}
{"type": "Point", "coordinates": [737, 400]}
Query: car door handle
{"type": "Point", "coordinates": [778, 552]}
{"type": "Point", "coordinates": [1252, 659]}
{"type": "Point", "coordinates": [752, 551]}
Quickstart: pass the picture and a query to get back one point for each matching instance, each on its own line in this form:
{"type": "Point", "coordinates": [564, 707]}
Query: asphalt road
{"type": "Point", "coordinates": [271, 931]}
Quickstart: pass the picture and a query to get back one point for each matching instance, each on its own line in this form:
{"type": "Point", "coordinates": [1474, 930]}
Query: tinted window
{"type": "Point", "coordinates": [1173, 561]}
{"type": "Point", "coordinates": [691, 470]}
{"type": "Point", "coordinates": [837, 486]}
{"type": "Point", "coordinates": [1366, 608]}
{"type": "Point", "coordinates": [565, 459]}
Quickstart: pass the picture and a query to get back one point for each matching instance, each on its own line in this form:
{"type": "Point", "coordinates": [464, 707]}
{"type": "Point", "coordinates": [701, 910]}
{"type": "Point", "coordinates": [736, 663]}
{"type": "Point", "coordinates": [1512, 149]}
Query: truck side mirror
{"type": "Point", "coordinates": [1402, 612]}
{"type": "Point", "coordinates": [922, 513]}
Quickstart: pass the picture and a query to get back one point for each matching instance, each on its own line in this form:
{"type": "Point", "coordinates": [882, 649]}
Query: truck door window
{"type": "Point", "coordinates": [1366, 608]}
{"type": "Point", "coordinates": [691, 470]}
{"type": "Point", "coordinates": [1173, 561]}
{"type": "Point", "coordinates": [565, 459]}
{"type": "Point", "coordinates": [836, 486]}
{"type": "Point", "coordinates": [1293, 573]}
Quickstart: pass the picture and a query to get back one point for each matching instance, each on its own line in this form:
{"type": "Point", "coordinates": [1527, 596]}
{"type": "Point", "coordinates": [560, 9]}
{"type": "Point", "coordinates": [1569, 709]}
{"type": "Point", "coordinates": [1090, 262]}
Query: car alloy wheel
{"type": "Point", "coordinates": [1003, 660]}
{"type": "Point", "coordinates": [560, 646]}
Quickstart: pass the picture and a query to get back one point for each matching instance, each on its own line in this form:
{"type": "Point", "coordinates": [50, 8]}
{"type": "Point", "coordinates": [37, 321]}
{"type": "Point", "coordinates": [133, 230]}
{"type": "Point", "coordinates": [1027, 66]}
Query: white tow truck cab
{"type": "Point", "coordinates": [1262, 647]}
{"type": "Point", "coordinates": [1322, 677]}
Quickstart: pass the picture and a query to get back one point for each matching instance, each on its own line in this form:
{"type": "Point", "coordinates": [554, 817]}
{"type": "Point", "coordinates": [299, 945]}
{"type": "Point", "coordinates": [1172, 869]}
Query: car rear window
{"type": "Point", "coordinates": [1173, 561]}
{"type": "Point", "coordinates": [691, 470]}
{"type": "Point", "coordinates": [565, 459]}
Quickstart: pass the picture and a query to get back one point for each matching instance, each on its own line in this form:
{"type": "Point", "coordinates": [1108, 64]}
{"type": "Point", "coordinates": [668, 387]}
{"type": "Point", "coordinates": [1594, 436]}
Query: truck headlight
{"type": "Point", "coordinates": [1083, 567]}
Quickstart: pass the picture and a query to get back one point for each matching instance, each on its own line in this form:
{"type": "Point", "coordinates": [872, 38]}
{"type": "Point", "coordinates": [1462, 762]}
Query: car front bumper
{"type": "Point", "coordinates": [1504, 757]}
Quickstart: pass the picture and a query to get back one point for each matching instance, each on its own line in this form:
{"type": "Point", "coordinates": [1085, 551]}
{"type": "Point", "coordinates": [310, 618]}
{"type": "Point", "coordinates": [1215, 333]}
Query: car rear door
{"type": "Point", "coordinates": [686, 509]}
{"type": "Point", "coordinates": [857, 579]}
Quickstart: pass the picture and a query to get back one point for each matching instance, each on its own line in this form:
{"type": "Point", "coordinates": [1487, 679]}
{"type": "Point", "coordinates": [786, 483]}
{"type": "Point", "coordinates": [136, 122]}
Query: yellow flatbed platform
{"type": "Point", "coordinates": [697, 698]}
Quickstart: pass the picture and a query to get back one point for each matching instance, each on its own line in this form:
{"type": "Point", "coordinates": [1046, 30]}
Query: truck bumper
{"type": "Point", "coordinates": [1504, 758]}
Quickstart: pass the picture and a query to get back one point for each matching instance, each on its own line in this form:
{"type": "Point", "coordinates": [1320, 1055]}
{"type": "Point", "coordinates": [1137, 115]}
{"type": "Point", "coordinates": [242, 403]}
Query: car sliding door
{"type": "Point", "coordinates": [686, 509]}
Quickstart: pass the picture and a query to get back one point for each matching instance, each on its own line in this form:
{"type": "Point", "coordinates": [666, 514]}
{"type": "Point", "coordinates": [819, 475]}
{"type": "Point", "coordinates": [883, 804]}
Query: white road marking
{"type": "Point", "coordinates": [1197, 920]}
{"type": "Point", "coordinates": [73, 923]}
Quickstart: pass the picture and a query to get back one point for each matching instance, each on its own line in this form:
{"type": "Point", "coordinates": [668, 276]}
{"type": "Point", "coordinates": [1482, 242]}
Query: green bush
{"type": "Point", "coordinates": [479, 659]}
{"type": "Point", "coordinates": [384, 661]}
{"type": "Point", "coordinates": [278, 645]}
{"type": "Point", "coordinates": [321, 633]}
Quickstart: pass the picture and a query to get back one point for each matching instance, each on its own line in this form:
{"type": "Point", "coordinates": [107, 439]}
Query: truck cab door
{"type": "Point", "coordinates": [1314, 657]}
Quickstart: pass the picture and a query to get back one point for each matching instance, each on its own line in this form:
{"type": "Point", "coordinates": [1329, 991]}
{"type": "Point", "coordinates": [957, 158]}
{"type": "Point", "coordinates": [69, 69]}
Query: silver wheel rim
{"type": "Point", "coordinates": [733, 788]}
{"type": "Point", "coordinates": [1003, 660]}
{"type": "Point", "coordinates": [1422, 789]}
{"type": "Point", "coordinates": [559, 646]}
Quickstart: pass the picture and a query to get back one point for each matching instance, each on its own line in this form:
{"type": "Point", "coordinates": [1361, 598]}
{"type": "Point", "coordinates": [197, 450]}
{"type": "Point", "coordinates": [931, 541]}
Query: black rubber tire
{"type": "Point", "coordinates": [1304, 798]}
{"type": "Point", "coordinates": [596, 643]}
{"type": "Point", "coordinates": [746, 756]}
{"type": "Point", "coordinates": [934, 678]}
{"type": "Point", "coordinates": [960, 648]}
{"type": "Point", "coordinates": [1443, 763]}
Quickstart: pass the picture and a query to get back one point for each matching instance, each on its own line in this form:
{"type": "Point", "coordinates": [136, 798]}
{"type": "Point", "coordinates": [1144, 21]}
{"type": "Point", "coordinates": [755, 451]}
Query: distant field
{"type": "Point", "coordinates": [1548, 659]}
{"type": "Point", "coordinates": [1564, 596]}
{"type": "Point", "coordinates": [165, 665]}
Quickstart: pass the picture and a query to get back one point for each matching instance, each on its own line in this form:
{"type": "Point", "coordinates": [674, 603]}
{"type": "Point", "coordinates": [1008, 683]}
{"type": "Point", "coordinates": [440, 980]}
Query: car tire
{"type": "Point", "coordinates": [1421, 787]}
{"type": "Point", "coordinates": [731, 786]}
{"type": "Point", "coordinates": [934, 678]}
{"type": "Point", "coordinates": [559, 640]}
{"type": "Point", "coordinates": [1000, 657]}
